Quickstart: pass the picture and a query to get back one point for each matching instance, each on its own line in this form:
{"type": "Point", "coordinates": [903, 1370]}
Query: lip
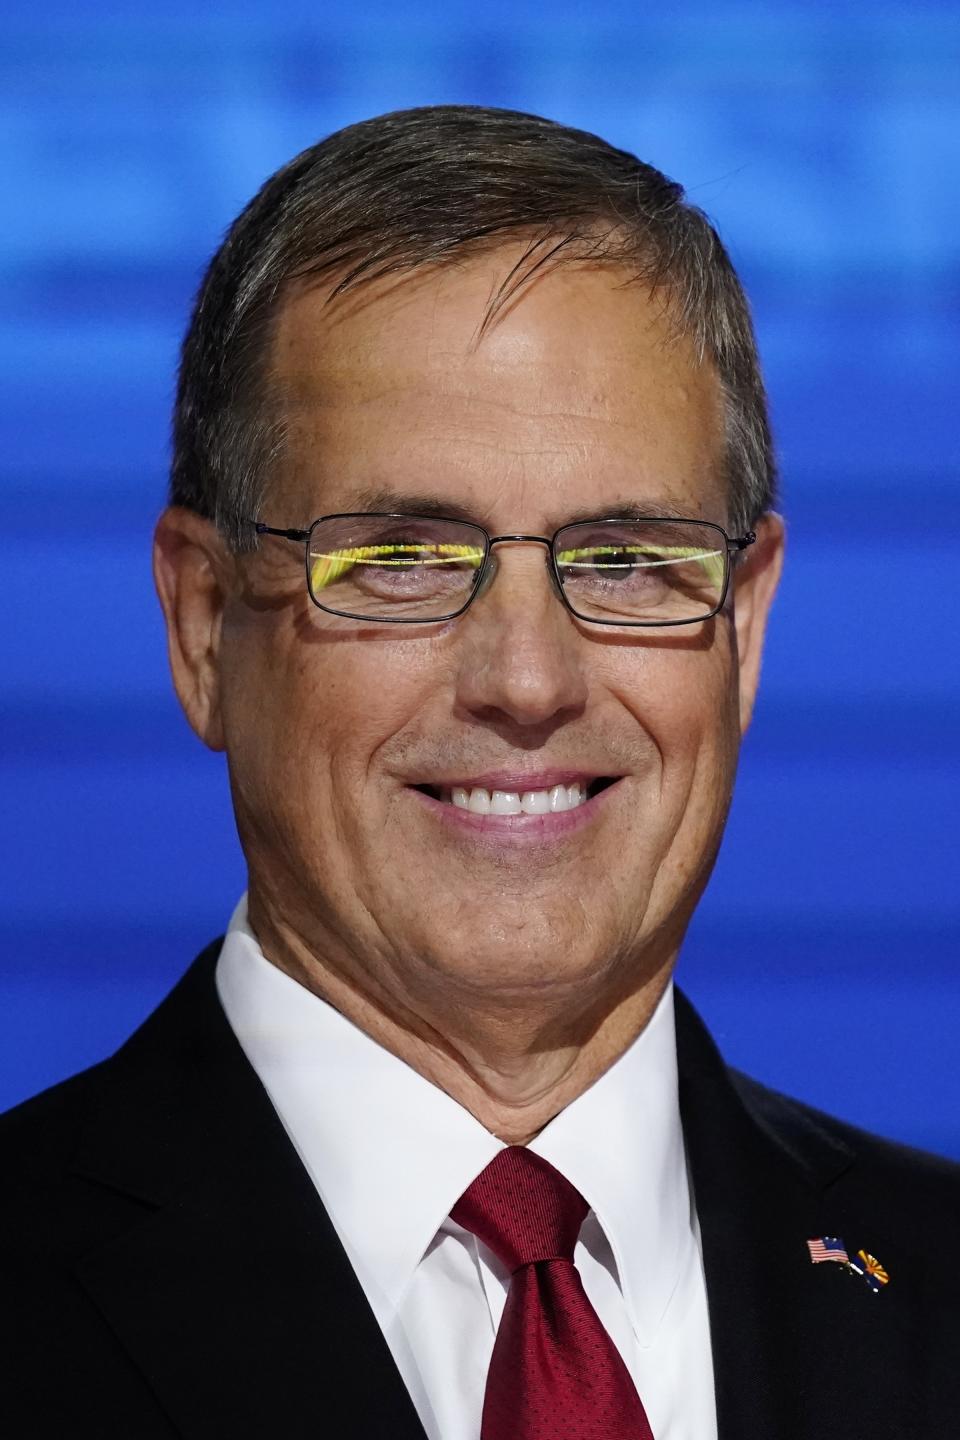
{"type": "Point", "coordinates": [496, 831]}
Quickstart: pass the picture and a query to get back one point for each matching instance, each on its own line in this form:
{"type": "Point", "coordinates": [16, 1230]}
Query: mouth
{"type": "Point", "coordinates": [517, 796]}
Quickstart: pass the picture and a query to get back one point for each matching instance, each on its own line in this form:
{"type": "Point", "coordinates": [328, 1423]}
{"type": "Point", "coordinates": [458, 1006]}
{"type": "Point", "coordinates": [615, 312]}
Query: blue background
{"type": "Point", "coordinates": [825, 141]}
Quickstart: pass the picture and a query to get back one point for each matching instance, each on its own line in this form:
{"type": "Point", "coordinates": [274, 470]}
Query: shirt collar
{"type": "Point", "coordinates": [390, 1153]}
{"type": "Point", "coordinates": [621, 1144]}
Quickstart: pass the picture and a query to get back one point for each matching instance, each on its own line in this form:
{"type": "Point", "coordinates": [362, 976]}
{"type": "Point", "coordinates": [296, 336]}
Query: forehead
{"type": "Point", "coordinates": [579, 392]}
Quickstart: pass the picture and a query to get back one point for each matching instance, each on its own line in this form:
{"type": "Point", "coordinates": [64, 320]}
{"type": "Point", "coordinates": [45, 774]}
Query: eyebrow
{"type": "Point", "coordinates": [438, 507]}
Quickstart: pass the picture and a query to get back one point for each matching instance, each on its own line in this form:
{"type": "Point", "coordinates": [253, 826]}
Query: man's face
{"type": "Point", "coordinates": [345, 738]}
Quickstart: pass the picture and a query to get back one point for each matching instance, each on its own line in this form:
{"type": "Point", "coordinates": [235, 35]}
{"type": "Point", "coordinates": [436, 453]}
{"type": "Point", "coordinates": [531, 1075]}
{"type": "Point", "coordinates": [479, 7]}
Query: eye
{"type": "Point", "coordinates": [613, 560]}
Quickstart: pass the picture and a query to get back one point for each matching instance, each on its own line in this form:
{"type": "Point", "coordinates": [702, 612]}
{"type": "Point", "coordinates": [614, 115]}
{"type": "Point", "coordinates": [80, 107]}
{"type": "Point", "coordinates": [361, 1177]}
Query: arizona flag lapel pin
{"type": "Point", "coordinates": [870, 1268]}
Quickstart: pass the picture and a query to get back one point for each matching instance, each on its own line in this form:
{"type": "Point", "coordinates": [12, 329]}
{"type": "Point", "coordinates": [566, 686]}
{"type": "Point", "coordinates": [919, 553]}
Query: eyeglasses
{"type": "Point", "coordinates": [414, 569]}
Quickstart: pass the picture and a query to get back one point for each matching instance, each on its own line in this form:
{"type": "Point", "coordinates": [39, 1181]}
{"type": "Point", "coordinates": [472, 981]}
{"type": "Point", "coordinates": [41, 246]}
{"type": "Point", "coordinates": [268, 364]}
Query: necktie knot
{"type": "Point", "coordinates": [522, 1209]}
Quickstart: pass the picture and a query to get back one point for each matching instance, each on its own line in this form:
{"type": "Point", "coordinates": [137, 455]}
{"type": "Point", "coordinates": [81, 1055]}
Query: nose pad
{"type": "Point", "coordinates": [555, 585]}
{"type": "Point", "coordinates": [485, 578]}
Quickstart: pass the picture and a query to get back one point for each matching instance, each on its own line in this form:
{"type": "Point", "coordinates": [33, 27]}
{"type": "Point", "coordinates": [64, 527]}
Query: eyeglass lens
{"type": "Point", "coordinates": [417, 568]}
{"type": "Point", "coordinates": [652, 571]}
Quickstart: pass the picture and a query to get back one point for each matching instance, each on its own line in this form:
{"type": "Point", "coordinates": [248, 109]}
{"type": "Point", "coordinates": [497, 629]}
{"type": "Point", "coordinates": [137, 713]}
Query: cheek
{"type": "Point", "coordinates": [704, 775]}
{"type": "Point", "coordinates": [678, 690]}
{"type": "Point", "coordinates": [338, 705]}
{"type": "Point", "coordinates": [685, 700]}
{"type": "Point", "coordinates": [359, 694]}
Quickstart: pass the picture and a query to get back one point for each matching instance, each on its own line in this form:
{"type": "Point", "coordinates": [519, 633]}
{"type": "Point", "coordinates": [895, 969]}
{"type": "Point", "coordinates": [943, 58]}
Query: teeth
{"type": "Point", "coordinates": [511, 802]}
{"type": "Point", "coordinates": [535, 802]}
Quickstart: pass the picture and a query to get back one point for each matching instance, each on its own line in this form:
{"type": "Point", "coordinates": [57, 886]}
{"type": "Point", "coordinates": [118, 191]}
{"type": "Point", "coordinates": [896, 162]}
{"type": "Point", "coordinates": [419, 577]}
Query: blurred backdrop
{"type": "Point", "coordinates": [825, 141]}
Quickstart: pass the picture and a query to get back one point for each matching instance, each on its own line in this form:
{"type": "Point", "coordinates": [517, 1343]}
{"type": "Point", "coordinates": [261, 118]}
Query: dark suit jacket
{"type": "Point", "coordinates": [168, 1270]}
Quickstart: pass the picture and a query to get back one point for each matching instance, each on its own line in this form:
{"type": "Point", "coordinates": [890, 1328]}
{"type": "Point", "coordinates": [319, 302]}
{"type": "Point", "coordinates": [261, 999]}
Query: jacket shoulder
{"type": "Point", "coordinates": [40, 1137]}
{"type": "Point", "coordinates": [45, 1214]}
{"type": "Point", "coordinates": [41, 1131]}
{"type": "Point", "coordinates": [906, 1177]}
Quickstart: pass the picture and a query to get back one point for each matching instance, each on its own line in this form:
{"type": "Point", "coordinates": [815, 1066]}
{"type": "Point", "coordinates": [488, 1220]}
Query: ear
{"type": "Point", "coordinates": [754, 585]}
{"type": "Point", "coordinates": [191, 567]}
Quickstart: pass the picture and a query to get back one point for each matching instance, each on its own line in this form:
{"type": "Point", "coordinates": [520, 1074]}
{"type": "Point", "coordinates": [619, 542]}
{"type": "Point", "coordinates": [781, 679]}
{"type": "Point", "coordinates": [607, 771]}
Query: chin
{"type": "Point", "coordinates": [513, 963]}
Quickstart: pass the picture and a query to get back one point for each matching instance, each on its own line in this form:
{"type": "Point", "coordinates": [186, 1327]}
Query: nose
{"type": "Point", "coordinates": [522, 654]}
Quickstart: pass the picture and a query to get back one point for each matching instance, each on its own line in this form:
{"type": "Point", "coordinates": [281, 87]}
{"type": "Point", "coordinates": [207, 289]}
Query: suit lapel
{"type": "Point", "coordinates": [222, 1275]}
{"type": "Point", "coordinates": [801, 1351]}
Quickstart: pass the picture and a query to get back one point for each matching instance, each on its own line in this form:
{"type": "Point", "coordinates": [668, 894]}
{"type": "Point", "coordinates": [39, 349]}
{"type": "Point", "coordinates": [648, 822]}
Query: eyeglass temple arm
{"type": "Point", "coordinates": [740, 542]}
{"type": "Point", "coordinates": [262, 529]}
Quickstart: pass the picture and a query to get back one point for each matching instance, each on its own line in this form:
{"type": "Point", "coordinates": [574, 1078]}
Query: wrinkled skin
{"type": "Point", "coordinates": [512, 975]}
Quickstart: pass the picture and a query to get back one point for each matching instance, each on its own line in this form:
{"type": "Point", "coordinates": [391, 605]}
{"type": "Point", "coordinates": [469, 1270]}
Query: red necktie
{"type": "Point", "coordinates": [555, 1373]}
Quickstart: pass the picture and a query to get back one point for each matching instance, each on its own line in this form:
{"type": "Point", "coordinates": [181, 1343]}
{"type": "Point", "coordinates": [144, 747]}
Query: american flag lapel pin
{"type": "Point", "coordinates": [828, 1247]}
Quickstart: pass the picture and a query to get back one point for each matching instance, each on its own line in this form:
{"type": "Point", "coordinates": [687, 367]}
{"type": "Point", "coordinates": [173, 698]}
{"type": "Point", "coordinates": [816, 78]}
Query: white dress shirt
{"type": "Point", "coordinates": [390, 1154]}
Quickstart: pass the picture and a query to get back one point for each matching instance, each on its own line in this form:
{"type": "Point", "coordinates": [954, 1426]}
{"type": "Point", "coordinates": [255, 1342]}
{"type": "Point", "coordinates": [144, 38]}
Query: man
{"type": "Point", "coordinates": [467, 566]}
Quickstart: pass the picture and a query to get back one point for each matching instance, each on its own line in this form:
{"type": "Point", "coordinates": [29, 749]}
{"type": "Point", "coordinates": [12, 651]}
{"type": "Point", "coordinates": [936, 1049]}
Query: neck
{"type": "Point", "coordinates": [514, 1067]}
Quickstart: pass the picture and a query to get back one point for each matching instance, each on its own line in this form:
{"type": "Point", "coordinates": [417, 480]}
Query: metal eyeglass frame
{"type": "Point", "coordinates": [733, 545]}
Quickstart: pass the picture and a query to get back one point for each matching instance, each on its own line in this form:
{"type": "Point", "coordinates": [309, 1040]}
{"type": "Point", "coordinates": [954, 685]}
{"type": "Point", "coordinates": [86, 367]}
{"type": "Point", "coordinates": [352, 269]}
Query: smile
{"type": "Point", "coordinates": [518, 799]}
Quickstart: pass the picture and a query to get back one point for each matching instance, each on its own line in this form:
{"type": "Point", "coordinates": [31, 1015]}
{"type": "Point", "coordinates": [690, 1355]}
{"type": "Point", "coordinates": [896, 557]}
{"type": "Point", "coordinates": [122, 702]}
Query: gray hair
{"type": "Point", "coordinates": [418, 187]}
